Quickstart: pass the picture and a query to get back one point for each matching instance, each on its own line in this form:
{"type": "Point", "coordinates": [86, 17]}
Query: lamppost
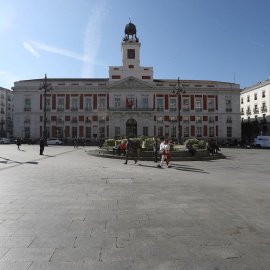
{"type": "Point", "coordinates": [179, 90]}
{"type": "Point", "coordinates": [46, 87]}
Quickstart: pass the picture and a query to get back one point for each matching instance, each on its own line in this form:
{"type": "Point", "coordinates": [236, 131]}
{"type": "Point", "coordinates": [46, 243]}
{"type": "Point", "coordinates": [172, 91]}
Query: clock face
{"type": "Point", "coordinates": [131, 54]}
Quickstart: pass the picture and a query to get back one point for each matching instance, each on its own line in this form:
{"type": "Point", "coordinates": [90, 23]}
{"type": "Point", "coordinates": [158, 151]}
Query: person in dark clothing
{"type": "Point", "coordinates": [18, 142]}
{"type": "Point", "coordinates": [129, 150]}
{"type": "Point", "coordinates": [41, 145]}
{"type": "Point", "coordinates": [155, 149]}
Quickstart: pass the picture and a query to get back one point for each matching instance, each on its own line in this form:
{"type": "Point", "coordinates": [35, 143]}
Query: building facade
{"type": "Point", "coordinates": [255, 104]}
{"type": "Point", "coordinates": [6, 112]}
{"type": "Point", "coordinates": [130, 102]}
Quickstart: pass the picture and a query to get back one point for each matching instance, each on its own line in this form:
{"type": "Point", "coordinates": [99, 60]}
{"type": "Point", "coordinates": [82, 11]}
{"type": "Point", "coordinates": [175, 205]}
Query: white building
{"type": "Point", "coordinates": [129, 102]}
{"type": "Point", "coordinates": [6, 111]}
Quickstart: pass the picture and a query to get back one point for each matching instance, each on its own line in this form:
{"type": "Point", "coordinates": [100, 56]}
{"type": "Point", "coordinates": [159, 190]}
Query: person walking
{"type": "Point", "coordinates": [18, 142]}
{"type": "Point", "coordinates": [41, 145]}
{"type": "Point", "coordinates": [165, 154]}
{"type": "Point", "coordinates": [155, 149]}
{"type": "Point", "coordinates": [76, 142]}
{"type": "Point", "coordinates": [129, 150]}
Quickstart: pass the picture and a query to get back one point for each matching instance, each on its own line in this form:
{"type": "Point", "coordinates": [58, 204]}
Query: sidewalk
{"type": "Point", "coordinates": [68, 210]}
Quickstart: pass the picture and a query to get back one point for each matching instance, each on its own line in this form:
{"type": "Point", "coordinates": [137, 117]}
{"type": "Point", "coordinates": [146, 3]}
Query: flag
{"type": "Point", "coordinates": [127, 104]}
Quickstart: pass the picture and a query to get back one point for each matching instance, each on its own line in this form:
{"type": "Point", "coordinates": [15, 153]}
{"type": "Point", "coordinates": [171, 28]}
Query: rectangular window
{"type": "Point", "coordinates": [263, 94]}
{"type": "Point", "coordinates": [117, 102]}
{"type": "Point", "coordinates": [145, 103]}
{"type": "Point", "coordinates": [88, 104]}
{"type": "Point", "coordinates": [173, 104]}
{"type": "Point", "coordinates": [173, 131]}
{"type": "Point", "coordinates": [211, 105]}
{"type": "Point", "coordinates": [101, 104]}
{"type": "Point", "coordinates": [160, 104]}
{"type": "Point", "coordinates": [145, 131]}
{"type": "Point", "coordinates": [88, 132]}
{"type": "Point", "coordinates": [185, 104]}
{"type": "Point", "coordinates": [74, 104]}
{"type": "Point", "coordinates": [229, 131]}
{"type": "Point", "coordinates": [198, 119]}
{"type": "Point", "coordinates": [186, 119]}
{"type": "Point", "coordinates": [248, 99]}
{"type": "Point", "coordinates": [48, 104]}
{"type": "Point", "coordinates": [211, 119]}
{"type": "Point", "coordinates": [88, 119]}
{"type": "Point", "coordinates": [61, 104]}
{"type": "Point", "coordinates": [198, 105]}
{"type": "Point", "coordinates": [74, 119]}
{"type": "Point", "coordinates": [199, 131]}
{"type": "Point", "coordinates": [117, 132]}
{"type": "Point", "coordinates": [228, 105]}
{"type": "Point", "coordinates": [211, 132]}
{"type": "Point", "coordinates": [186, 131]}
{"type": "Point", "coordinates": [102, 132]}
{"type": "Point", "coordinates": [242, 100]}
{"type": "Point", "coordinates": [160, 131]}
{"type": "Point", "coordinates": [27, 104]}
{"type": "Point", "coordinates": [160, 119]}
{"type": "Point", "coordinates": [130, 103]}
{"type": "Point", "coordinates": [255, 96]}
{"type": "Point", "coordinates": [74, 132]}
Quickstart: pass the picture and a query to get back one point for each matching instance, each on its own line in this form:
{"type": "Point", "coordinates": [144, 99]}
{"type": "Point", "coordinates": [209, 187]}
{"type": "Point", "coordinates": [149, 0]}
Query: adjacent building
{"type": "Point", "coordinates": [129, 102]}
{"type": "Point", "coordinates": [6, 112]}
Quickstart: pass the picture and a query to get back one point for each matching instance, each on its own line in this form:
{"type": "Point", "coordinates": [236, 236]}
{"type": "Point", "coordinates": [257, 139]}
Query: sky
{"type": "Point", "coordinates": [218, 40]}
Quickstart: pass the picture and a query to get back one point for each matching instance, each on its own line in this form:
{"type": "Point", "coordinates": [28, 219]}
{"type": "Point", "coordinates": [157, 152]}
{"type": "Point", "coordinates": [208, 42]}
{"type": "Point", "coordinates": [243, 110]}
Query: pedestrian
{"type": "Point", "coordinates": [165, 154]}
{"type": "Point", "coordinates": [18, 142]}
{"type": "Point", "coordinates": [75, 142]}
{"type": "Point", "coordinates": [161, 148]}
{"type": "Point", "coordinates": [190, 148]}
{"type": "Point", "coordinates": [83, 141]}
{"type": "Point", "coordinates": [41, 145]}
{"type": "Point", "coordinates": [129, 150]}
{"type": "Point", "coordinates": [155, 149]}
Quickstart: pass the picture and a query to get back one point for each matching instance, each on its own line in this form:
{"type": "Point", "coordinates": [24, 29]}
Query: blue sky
{"type": "Point", "coordinates": [219, 40]}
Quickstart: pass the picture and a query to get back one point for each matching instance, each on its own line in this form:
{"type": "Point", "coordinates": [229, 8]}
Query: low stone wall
{"type": "Point", "coordinates": [148, 155]}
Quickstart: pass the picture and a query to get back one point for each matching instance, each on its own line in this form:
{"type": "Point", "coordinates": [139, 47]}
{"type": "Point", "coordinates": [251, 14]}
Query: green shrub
{"type": "Point", "coordinates": [201, 144]}
{"type": "Point", "coordinates": [198, 144]}
{"type": "Point", "coordinates": [109, 143]}
{"type": "Point", "coordinates": [148, 144]}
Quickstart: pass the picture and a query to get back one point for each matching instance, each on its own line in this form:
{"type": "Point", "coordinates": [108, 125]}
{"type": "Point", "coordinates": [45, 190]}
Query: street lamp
{"type": "Point", "coordinates": [179, 90]}
{"type": "Point", "coordinates": [46, 87]}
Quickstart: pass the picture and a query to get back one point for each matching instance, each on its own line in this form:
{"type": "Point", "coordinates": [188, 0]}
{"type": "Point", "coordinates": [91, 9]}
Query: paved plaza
{"type": "Point", "coordinates": [68, 210]}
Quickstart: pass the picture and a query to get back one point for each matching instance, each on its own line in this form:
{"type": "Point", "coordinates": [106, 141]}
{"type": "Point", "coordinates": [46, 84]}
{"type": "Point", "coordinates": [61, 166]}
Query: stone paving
{"type": "Point", "coordinates": [67, 210]}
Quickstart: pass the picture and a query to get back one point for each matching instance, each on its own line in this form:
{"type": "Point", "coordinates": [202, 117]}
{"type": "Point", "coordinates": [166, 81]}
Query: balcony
{"type": "Point", "coordinates": [229, 121]}
{"type": "Point", "coordinates": [101, 108]}
{"type": "Point", "coordinates": [198, 109]}
{"type": "Point", "coordinates": [74, 121]}
{"type": "Point", "coordinates": [87, 121]}
{"type": "Point", "coordinates": [26, 121]}
{"type": "Point", "coordinates": [198, 121]}
{"type": "Point", "coordinates": [264, 109]}
{"type": "Point", "coordinates": [60, 109]}
{"type": "Point", "coordinates": [60, 121]}
{"type": "Point", "coordinates": [211, 109]}
{"type": "Point", "coordinates": [228, 109]}
{"type": "Point", "coordinates": [160, 109]}
{"type": "Point", "coordinates": [186, 109]}
{"type": "Point", "coordinates": [159, 121]}
{"type": "Point", "coordinates": [211, 121]}
{"type": "Point", "coordinates": [242, 113]}
{"type": "Point", "coordinates": [88, 109]}
{"type": "Point", "coordinates": [48, 108]}
{"type": "Point", "coordinates": [74, 109]}
{"type": "Point", "coordinates": [173, 109]}
{"type": "Point", "coordinates": [248, 112]}
{"type": "Point", "coordinates": [102, 121]}
{"type": "Point", "coordinates": [256, 111]}
{"type": "Point", "coordinates": [185, 121]}
{"type": "Point", "coordinates": [27, 109]}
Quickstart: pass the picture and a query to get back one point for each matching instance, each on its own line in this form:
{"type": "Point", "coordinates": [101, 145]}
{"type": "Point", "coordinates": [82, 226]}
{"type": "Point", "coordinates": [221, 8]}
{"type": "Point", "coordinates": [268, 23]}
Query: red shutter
{"type": "Point", "coordinates": [166, 102]}
{"type": "Point", "coordinates": [192, 102]}
{"type": "Point", "coordinates": [54, 102]}
{"type": "Point", "coordinates": [192, 130]}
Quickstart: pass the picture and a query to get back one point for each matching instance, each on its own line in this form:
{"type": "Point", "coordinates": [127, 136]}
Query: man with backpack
{"type": "Point", "coordinates": [130, 150]}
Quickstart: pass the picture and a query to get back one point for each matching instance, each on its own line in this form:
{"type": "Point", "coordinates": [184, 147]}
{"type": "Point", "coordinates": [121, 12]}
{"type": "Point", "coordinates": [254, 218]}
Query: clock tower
{"type": "Point", "coordinates": [130, 48]}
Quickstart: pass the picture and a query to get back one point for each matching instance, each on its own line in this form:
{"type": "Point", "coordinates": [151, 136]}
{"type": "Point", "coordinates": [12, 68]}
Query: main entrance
{"type": "Point", "coordinates": [131, 128]}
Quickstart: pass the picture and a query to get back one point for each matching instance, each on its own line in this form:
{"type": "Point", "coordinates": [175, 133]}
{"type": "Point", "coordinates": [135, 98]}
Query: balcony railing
{"type": "Point", "coordinates": [48, 108]}
{"type": "Point", "coordinates": [248, 112]}
{"type": "Point", "coordinates": [160, 109]}
{"type": "Point", "coordinates": [211, 121]}
{"type": "Point", "coordinates": [173, 109]}
{"type": "Point", "coordinates": [60, 109]}
{"type": "Point", "coordinates": [27, 109]}
{"type": "Point", "coordinates": [27, 121]}
{"type": "Point", "coordinates": [256, 111]}
{"type": "Point", "coordinates": [186, 121]}
{"type": "Point", "coordinates": [88, 109]}
{"type": "Point", "coordinates": [117, 109]}
{"type": "Point", "coordinates": [242, 113]}
{"type": "Point", "coordinates": [74, 121]}
{"type": "Point", "coordinates": [198, 109]}
{"type": "Point", "coordinates": [211, 109]}
{"type": "Point", "coordinates": [186, 109]}
{"type": "Point", "coordinates": [198, 121]}
{"type": "Point", "coordinates": [74, 109]}
{"type": "Point", "coordinates": [229, 121]}
{"type": "Point", "coordinates": [159, 121]}
{"type": "Point", "coordinates": [228, 109]}
{"type": "Point", "coordinates": [102, 121]}
{"type": "Point", "coordinates": [264, 109]}
{"type": "Point", "coordinates": [87, 121]}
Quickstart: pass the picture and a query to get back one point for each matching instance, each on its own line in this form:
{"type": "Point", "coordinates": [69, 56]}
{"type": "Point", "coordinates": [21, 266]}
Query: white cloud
{"type": "Point", "coordinates": [29, 48]}
{"type": "Point", "coordinates": [92, 37]}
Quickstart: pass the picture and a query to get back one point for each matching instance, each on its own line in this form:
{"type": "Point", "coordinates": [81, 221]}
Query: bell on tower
{"type": "Point", "coordinates": [130, 30]}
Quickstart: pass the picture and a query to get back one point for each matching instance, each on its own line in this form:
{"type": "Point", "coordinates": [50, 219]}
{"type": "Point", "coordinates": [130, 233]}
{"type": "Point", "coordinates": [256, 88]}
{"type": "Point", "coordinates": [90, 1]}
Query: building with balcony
{"type": "Point", "coordinates": [130, 102]}
{"type": "Point", "coordinates": [255, 102]}
{"type": "Point", "coordinates": [6, 112]}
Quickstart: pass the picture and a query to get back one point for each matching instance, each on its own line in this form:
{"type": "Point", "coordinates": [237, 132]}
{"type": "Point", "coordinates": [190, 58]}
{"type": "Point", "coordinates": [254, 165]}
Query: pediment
{"type": "Point", "coordinates": [130, 83]}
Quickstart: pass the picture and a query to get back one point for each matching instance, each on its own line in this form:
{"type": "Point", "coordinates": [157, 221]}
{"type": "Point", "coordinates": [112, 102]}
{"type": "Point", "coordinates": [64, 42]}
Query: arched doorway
{"type": "Point", "coordinates": [131, 128]}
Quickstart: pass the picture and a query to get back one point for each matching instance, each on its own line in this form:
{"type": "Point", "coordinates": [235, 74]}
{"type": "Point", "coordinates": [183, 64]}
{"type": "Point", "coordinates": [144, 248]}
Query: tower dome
{"type": "Point", "coordinates": [130, 30]}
